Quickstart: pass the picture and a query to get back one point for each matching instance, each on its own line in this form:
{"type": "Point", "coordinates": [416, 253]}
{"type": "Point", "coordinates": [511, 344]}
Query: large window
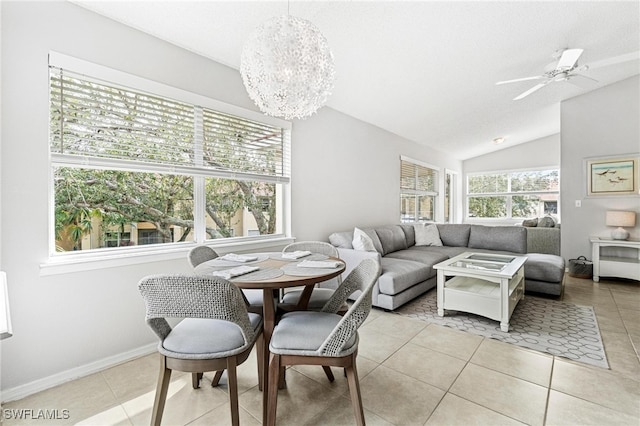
{"type": "Point", "coordinates": [513, 195]}
{"type": "Point", "coordinates": [132, 167]}
{"type": "Point", "coordinates": [418, 191]}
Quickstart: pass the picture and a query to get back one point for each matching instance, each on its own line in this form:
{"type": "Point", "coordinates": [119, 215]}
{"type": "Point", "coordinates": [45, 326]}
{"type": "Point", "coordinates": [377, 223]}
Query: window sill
{"type": "Point", "coordinates": [77, 262]}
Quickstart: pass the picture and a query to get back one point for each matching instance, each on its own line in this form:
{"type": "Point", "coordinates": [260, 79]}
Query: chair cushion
{"type": "Point", "coordinates": [205, 338]}
{"type": "Point", "coordinates": [303, 332]}
{"type": "Point", "coordinates": [254, 296]}
{"type": "Point", "coordinates": [319, 297]}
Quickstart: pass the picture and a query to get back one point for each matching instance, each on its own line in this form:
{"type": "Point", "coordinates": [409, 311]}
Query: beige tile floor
{"type": "Point", "coordinates": [411, 373]}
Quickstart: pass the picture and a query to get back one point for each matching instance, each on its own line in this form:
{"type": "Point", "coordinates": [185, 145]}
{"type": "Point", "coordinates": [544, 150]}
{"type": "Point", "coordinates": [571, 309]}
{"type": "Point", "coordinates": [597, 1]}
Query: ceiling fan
{"type": "Point", "coordinates": [566, 68]}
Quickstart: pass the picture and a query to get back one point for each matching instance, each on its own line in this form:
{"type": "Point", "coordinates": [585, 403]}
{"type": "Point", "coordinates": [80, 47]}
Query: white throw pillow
{"type": "Point", "coordinates": [361, 241]}
{"type": "Point", "coordinates": [427, 235]}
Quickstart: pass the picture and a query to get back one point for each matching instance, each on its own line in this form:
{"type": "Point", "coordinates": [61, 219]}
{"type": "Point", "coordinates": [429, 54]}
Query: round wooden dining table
{"type": "Point", "coordinates": [275, 273]}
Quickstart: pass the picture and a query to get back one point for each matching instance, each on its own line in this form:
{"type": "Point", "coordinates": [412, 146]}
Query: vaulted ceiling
{"type": "Point", "coordinates": [425, 70]}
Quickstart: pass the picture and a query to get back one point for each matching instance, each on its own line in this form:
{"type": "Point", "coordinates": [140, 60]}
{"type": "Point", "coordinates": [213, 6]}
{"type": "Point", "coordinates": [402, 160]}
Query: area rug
{"type": "Point", "coordinates": [556, 328]}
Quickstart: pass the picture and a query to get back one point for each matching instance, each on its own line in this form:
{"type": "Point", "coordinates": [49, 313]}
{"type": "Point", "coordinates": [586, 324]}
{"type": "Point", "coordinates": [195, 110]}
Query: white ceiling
{"type": "Point", "coordinates": [424, 70]}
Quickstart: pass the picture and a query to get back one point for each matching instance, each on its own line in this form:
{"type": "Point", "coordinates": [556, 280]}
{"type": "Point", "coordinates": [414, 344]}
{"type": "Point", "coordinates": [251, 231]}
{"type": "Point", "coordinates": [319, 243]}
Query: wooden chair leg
{"type": "Point", "coordinates": [274, 375]}
{"type": "Point", "coordinates": [161, 392]}
{"type": "Point", "coordinates": [260, 358]}
{"type": "Point", "coordinates": [282, 378]}
{"type": "Point", "coordinates": [216, 378]}
{"type": "Point", "coordinates": [233, 390]}
{"type": "Point", "coordinates": [354, 390]}
{"type": "Point", "coordinates": [328, 372]}
{"type": "Point", "coordinates": [195, 380]}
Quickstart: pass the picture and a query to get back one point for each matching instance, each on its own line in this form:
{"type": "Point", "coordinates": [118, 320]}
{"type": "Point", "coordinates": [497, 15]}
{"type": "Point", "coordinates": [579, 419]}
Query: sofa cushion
{"type": "Point", "coordinates": [427, 235]}
{"type": "Point", "coordinates": [342, 239]}
{"type": "Point", "coordinates": [361, 241]}
{"type": "Point", "coordinates": [416, 254]}
{"type": "Point", "coordinates": [454, 235]}
{"type": "Point", "coordinates": [399, 275]}
{"type": "Point", "coordinates": [392, 239]}
{"type": "Point", "coordinates": [546, 222]}
{"type": "Point", "coordinates": [446, 251]}
{"type": "Point", "coordinates": [409, 234]}
{"type": "Point", "coordinates": [506, 238]}
{"type": "Point", "coordinates": [544, 267]}
{"type": "Point", "coordinates": [374, 237]}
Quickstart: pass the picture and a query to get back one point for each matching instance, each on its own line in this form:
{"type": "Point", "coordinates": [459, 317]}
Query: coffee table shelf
{"type": "Point", "coordinates": [489, 292]}
{"type": "Point", "coordinates": [481, 297]}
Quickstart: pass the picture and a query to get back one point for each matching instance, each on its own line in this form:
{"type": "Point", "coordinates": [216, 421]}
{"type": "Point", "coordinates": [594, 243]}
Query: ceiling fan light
{"type": "Point", "coordinates": [499, 140]}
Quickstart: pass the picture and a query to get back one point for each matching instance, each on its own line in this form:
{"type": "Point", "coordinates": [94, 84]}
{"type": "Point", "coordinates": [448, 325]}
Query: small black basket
{"type": "Point", "coordinates": [580, 267]}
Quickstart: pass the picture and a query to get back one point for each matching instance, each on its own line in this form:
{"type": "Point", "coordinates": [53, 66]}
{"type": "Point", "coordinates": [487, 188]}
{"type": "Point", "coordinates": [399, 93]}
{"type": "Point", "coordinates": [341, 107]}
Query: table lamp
{"type": "Point", "coordinates": [620, 219]}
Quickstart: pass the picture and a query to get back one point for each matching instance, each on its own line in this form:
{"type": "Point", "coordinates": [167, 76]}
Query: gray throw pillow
{"type": "Point", "coordinates": [546, 222]}
{"type": "Point", "coordinates": [427, 235]}
{"type": "Point", "coordinates": [530, 222]}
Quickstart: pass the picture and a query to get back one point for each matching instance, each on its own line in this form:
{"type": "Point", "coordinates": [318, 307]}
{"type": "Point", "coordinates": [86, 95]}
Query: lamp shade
{"type": "Point", "coordinates": [621, 218]}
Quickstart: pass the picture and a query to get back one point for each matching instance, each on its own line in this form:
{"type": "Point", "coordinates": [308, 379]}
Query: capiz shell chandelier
{"type": "Point", "coordinates": [287, 67]}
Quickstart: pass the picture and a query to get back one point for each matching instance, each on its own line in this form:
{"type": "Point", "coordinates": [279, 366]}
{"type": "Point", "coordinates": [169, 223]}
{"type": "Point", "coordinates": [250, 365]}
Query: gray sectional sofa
{"type": "Point", "coordinates": [407, 269]}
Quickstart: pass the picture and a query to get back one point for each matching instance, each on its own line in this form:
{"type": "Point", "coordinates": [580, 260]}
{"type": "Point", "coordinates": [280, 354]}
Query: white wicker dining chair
{"type": "Point", "coordinates": [322, 292]}
{"type": "Point", "coordinates": [201, 254]}
{"type": "Point", "coordinates": [216, 333]}
{"type": "Point", "coordinates": [324, 337]}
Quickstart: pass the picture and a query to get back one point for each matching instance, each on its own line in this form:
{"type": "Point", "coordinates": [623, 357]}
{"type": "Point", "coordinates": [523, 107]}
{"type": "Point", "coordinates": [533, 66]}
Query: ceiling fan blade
{"type": "Point", "coordinates": [632, 56]}
{"type": "Point", "coordinates": [530, 91]}
{"type": "Point", "coordinates": [538, 77]}
{"type": "Point", "coordinates": [581, 76]}
{"type": "Point", "coordinates": [568, 59]}
{"type": "Point", "coordinates": [581, 81]}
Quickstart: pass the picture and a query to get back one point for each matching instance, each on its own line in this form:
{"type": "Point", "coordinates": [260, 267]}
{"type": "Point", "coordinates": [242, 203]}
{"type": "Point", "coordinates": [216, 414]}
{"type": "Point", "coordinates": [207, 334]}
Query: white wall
{"type": "Point", "coordinates": [601, 123]}
{"type": "Point", "coordinates": [543, 152]}
{"type": "Point", "coordinates": [345, 173]}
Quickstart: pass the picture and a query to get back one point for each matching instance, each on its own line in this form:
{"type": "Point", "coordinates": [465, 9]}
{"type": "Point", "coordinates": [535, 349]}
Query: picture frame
{"type": "Point", "coordinates": [612, 176]}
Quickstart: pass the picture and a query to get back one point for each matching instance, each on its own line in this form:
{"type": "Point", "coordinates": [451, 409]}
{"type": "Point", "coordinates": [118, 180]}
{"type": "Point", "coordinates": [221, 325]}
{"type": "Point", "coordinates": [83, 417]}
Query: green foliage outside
{"type": "Point", "coordinates": [488, 193]}
{"type": "Point", "coordinates": [100, 121]}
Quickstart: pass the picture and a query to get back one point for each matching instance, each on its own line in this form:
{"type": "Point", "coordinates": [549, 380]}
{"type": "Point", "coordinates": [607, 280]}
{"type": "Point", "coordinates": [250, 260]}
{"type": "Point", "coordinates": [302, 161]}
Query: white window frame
{"type": "Point", "coordinates": [508, 194]}
{"type": "Point", "coordinates": [453, 194]}
{"type": "Point", "coordinates": [74, 261]}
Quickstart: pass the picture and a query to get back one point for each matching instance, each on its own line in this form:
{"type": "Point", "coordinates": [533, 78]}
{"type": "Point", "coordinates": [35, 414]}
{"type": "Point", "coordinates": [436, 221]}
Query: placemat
{"type": "Point", "coordinates": [260, 275]}
{"type": "Point", "coordinates": [296, 271]}
{"type": "Point", "coordinates": [226, 263]}
{"type": "Point", "coordinates": [312, 256]}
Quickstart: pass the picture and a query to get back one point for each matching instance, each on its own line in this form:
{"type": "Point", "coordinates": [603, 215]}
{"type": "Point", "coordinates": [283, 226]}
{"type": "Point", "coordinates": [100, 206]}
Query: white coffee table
{"type": "Point", "coordinates": [489, 285]}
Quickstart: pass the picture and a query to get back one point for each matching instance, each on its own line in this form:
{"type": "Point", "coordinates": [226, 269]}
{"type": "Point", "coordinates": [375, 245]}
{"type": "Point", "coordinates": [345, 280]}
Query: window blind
{"type": "Point", "coordinates": [417, 177]}
{"type": "Point", "coordinates": [234, 143]}
{"type": "Point", "coordinates": [96, 120]}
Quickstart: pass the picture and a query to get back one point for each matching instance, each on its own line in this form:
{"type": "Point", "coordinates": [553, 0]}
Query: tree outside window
{"type": "Point", "coordinates": [511, 195]}
{"type": "Point", "coordinates": [129, 168]}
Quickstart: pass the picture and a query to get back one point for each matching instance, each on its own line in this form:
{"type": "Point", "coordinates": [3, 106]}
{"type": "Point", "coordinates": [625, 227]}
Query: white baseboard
{"type": "Point", "coordinates": [22, 391]}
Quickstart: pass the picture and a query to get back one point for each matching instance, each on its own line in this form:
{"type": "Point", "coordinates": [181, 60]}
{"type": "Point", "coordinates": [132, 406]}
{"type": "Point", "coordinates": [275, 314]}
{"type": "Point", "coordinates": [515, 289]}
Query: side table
{"type": "Point", "coordinates": [615, 266]}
